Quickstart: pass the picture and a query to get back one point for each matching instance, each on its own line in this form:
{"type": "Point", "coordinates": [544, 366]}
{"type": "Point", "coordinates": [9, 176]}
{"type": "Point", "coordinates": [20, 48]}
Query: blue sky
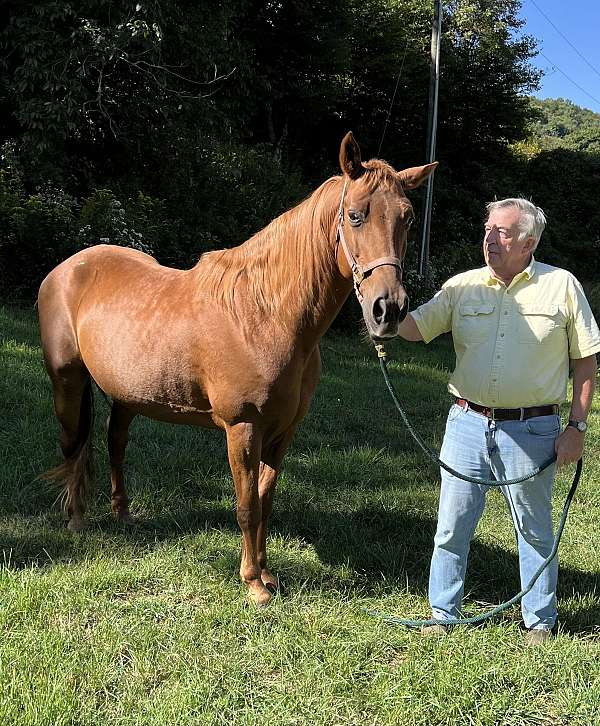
{"type": "Point", "coordinates": [579, 23]}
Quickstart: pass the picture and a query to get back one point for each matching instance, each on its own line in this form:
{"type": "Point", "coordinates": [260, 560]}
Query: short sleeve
{"type": "Point", "coordinates": [434, 317]}
{"type": "Point", "coordinates": [582, 329]}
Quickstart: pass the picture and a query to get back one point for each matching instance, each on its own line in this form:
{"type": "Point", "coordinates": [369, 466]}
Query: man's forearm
{"type": "Point", "coordinates": [408, 329]}
{"type": "Point", "coordinates": [584, 383]}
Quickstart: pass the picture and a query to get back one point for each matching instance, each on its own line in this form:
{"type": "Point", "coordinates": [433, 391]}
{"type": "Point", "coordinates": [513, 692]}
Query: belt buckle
{"type": "Point", "coordinates": [492, 414]}
{"type": "Point", "coordinates": [522, 414]}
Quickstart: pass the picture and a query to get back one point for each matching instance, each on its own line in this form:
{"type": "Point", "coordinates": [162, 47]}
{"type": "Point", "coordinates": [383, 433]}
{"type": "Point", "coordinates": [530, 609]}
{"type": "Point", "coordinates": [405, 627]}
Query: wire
{"type": "Point", "coordinates": [564, 37]}
{"type": "Point", "coordinates": [389, 114]}
{"type": "Point", "coordinates": [587, 93]}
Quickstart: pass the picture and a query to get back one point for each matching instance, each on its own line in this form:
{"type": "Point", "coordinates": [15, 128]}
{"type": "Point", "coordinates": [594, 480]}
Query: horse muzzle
{"type": "Point", "coordinates": [384, 313]}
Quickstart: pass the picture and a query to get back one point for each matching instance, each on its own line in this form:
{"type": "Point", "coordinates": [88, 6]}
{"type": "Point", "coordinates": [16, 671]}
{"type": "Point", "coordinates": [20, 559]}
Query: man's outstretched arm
{"type": "Point", "coordinates": [408, 329]}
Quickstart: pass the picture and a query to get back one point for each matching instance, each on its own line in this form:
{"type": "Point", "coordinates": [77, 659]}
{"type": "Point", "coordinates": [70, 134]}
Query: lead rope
{"type": "Point", "coordinates": [391, 619]}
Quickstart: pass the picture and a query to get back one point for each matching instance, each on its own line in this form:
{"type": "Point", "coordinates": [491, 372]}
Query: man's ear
{"type": "Point", "coordinates": [416, 175]}
{"type": "Point", "coordinates": [350, 161]}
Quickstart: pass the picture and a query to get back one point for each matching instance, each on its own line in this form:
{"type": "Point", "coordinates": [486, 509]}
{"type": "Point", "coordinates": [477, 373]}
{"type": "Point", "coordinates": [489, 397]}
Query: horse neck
{"type": "Point", "coordinates": [288, 272]}
{"type": "Point", "coordinates": [311, 291]}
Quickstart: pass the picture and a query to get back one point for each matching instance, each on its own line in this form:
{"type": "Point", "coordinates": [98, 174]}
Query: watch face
{"type": "Point", "coordinates": [579, 425]}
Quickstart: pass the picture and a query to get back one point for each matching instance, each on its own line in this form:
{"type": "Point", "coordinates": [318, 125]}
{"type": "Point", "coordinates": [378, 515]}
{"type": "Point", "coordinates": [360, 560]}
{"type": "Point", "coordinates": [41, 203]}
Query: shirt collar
{"type": "Point", "coordinates": [526, 274]}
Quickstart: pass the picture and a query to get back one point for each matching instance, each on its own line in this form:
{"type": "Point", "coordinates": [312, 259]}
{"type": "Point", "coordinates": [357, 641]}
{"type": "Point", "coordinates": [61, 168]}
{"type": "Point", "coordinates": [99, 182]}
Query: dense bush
{"type": "Point", "coordinates": [242, 190]}
{"type": "Point", "coordinates": [37, 233]}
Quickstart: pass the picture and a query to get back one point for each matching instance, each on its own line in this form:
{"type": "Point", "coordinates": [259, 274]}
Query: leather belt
{"type": "Point", "coordinates": [508, 414]}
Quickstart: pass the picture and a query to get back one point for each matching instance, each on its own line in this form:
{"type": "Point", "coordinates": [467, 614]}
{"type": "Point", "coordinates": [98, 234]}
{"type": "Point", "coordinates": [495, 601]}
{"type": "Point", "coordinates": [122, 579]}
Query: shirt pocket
{"type": "Point", "coordinates": [536, 322]}
{"type": "Point", "coordinates": [473, 321]}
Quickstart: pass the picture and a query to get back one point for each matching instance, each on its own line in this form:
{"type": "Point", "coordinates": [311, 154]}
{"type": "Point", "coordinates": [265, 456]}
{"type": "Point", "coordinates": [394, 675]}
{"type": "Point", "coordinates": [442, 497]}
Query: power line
{"type": "Point", "coordinates": [587, 93]}
{"type": "Point", "coordinates": [564, 37]}
{"type": "Point", "coordinates": [389, 114]}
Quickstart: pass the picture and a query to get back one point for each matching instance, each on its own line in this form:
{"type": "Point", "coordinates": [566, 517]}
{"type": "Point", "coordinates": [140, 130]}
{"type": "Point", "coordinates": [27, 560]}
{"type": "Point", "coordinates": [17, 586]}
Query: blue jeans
{"type": "Point", "coordinates": [486, 449]}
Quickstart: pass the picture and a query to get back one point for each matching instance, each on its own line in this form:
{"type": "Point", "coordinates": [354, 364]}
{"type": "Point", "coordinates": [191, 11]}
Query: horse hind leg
{"type": "Point", "coordinates": [266, 489]}
{"type": "Point", "coordinates": [74, 407]}
{"type": "Point", "coordinates": [118, 426]}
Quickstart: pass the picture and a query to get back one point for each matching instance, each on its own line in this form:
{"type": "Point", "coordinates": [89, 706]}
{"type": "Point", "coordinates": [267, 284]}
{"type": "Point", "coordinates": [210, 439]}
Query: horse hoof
{"type": "Point", "coordinates": [124, 516]}
{"type": "Point", "coordinates": [270, 581]}
{"type": "Point", "coordinates": [76, 524]}
{"type": "Point", "coordinates": [258, 595]}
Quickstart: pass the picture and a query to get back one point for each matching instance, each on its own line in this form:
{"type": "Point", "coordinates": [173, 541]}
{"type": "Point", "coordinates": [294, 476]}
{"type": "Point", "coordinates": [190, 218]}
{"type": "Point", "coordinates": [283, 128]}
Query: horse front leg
{"type": "Point", "coordinates": [243, 449]}
{"type": "Point", "coordinates": [270, 466]}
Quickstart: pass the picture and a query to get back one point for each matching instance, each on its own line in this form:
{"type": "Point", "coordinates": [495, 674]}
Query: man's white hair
{"type": "Point", "coordinates": [532, 221]}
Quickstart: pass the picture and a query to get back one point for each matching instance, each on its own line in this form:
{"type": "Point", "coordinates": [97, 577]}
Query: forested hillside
{"type": "Point", "coordinates": [182, 126]}
{"type": "Point", "coordinates": [563, 125]}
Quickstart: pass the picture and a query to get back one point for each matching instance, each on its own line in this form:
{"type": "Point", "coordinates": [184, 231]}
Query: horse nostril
{"type": "Point", "coordinates": [378, 310]}
{"type": "Point", "coordinates": [385, 311]}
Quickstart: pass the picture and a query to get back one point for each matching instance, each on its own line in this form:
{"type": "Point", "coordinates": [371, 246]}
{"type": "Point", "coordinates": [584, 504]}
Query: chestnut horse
{"type": "Point", "coordinates": [231, 343]}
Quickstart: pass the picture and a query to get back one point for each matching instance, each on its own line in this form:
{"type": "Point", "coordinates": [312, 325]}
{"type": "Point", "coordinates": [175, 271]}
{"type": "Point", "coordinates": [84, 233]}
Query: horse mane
{"type": "Point", "coordinates": [283, 268]}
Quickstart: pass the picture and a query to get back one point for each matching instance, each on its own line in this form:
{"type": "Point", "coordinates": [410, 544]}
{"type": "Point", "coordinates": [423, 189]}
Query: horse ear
{"type": "Point", "coordinates": [416, 175]}
{"type": "Point", "coordinates": [350, 162]}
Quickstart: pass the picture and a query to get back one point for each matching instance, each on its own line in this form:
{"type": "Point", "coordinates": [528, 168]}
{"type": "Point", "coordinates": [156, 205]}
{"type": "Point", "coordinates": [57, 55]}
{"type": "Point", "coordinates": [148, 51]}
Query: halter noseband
{"type": "Point", "coordinates": [358, 271]}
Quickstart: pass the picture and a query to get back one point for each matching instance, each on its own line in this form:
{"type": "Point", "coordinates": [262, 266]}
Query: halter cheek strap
{"type": "Point", "coordinates": [358, 271]}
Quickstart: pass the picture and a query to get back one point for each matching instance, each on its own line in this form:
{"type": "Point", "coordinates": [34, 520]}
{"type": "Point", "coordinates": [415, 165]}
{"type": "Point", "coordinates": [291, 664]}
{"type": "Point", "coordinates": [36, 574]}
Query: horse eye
{"type": "Point", "coordinates": [355, 218]}
{"type": "Point", "coordinates": [409, 222]}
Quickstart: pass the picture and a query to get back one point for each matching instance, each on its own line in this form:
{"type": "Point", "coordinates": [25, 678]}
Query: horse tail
{"type": "Point", "coordinates": [75, 475]}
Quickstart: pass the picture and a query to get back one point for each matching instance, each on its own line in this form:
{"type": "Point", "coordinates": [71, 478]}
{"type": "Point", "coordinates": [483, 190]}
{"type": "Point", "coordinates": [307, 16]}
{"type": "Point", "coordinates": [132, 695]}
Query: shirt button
{"type": "Point", "coordinates": [506, 312]}
{"type": "Point", "coordinates": [498, 358]}
{"type": "Point", "coordinates": [502, 335]}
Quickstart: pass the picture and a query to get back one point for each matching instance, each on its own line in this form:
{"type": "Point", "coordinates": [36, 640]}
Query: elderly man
{"type": "Point", "coordinates": [517, 325]}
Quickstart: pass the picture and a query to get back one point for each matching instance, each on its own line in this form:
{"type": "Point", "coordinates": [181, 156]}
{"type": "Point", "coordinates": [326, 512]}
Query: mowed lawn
{"type": "Point", "coordinates": [148, 624]}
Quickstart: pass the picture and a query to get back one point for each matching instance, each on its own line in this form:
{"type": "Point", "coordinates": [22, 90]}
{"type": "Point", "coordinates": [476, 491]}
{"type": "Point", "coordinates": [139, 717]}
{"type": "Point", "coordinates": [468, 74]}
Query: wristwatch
{"type": "Point", "coordinates": [579, 425]}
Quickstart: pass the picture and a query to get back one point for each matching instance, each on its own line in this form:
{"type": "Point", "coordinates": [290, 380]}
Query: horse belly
{"type": "Point", "coordinates": [147, 370]}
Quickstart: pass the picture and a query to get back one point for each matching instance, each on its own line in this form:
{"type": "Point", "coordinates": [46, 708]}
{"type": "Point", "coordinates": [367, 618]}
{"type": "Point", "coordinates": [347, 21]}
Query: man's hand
{"type": "Point", "coordinates": [569, 446]}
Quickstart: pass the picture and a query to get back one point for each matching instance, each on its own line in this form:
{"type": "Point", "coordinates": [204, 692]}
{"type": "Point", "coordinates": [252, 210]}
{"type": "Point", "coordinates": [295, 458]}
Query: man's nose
{"type": "Point", "coordinates": [492, 235]}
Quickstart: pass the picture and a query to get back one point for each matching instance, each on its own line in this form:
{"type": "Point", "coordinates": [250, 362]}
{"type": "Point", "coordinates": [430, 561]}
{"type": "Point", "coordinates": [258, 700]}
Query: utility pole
{"type": "Point", "coordinates": [434, 82]}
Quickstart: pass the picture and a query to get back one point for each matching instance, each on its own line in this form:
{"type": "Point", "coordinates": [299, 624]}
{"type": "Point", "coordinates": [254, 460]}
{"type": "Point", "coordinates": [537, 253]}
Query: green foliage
{"type": "Point", "coordinates": [592, 293]}
{"type": "Point", "coordinates": [103, 220]}
{"type": "Point", "coordinates": [37, 234]}
{"type": "Point", "coordinates": [201, 121]}
{"type": "Point", "coordinates": [565, 184]}
{"type": "Point", "coordinates": [560, 124]}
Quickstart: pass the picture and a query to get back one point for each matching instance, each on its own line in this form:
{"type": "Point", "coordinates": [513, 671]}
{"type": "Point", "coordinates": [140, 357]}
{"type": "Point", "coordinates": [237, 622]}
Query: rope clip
{"type": "Point", "coordinates": [380, 350]}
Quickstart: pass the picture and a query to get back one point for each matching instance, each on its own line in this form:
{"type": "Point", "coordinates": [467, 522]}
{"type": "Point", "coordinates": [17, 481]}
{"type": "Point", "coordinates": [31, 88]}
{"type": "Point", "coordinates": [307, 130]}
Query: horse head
{"type": "Point", "coordinates": [373, 221]}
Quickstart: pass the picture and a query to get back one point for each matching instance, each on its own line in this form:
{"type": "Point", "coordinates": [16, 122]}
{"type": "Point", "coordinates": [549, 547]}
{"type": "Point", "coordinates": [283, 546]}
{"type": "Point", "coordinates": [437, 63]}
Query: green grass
{"type": "Point", "coordinates": [149, 624]}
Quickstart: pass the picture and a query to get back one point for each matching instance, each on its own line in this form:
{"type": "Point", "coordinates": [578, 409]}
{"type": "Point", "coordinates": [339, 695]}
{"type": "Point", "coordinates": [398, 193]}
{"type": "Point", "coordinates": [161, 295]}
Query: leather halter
{"type": "Point", "coordinates": [358, 271]}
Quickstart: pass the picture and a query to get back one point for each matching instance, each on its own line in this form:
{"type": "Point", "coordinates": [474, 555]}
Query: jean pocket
{"type": "Point", "coordinates": [454, 412]}
{"type": "Point", "coordinates": [544, 426]}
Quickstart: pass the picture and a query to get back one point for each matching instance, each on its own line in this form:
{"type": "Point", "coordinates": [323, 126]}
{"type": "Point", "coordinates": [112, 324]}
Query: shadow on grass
{"type": "Point", "coordinates": [384, 552]}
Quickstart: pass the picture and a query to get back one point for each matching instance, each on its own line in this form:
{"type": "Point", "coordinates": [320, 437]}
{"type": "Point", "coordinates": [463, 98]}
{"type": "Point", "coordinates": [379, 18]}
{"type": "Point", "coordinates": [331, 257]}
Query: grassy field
{"type": "Point", "coordinates": [148, 624]}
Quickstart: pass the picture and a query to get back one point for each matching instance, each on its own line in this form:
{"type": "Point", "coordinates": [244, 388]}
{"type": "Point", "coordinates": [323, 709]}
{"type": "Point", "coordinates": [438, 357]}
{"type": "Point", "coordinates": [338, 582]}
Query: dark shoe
{"type": "Point", "coordinates": [537, 636]}
{"type": "Point", "coordinates": [434, 630]}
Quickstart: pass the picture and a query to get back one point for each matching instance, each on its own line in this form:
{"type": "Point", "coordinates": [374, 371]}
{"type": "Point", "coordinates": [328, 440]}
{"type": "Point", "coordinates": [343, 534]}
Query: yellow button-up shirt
{"type": "Point", "coordinates": [513, 343]}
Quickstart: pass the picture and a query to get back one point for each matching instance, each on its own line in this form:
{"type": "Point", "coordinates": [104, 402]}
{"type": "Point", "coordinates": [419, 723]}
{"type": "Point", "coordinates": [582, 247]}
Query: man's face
{"type": "Point", "coordinates": [502, 250]}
